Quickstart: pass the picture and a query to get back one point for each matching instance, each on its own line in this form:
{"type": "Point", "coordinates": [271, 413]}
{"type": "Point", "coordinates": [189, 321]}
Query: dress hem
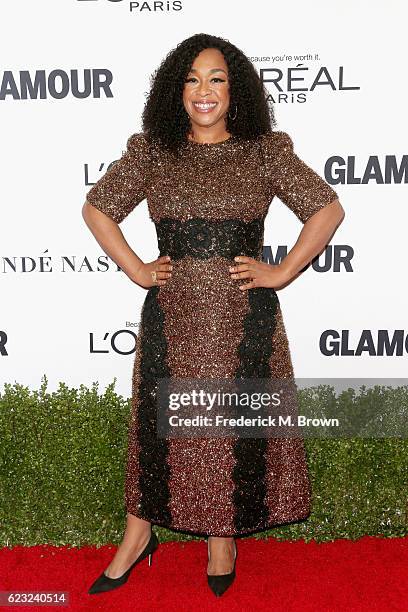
{"type": "Point", "coordinates": [224, 534]}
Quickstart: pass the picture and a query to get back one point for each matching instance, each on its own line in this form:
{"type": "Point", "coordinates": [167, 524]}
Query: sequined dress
{"type": "Point", "coordinates": [208, 206]}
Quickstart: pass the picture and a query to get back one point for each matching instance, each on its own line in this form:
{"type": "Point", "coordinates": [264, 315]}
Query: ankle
{"type": "Point", "coordinates": [136, 540]}
{"type": "Point", "coordinates": [221, 544]}
{"type": "Point", "coordinates": [222, 553]}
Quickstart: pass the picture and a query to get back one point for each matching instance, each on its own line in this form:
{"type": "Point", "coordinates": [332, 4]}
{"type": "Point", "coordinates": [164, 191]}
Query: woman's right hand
{"type": "Point", "coordinates": [162, 266]}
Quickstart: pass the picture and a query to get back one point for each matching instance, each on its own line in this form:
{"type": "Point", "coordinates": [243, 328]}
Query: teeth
{"type": "Point", "coordinates": [206, 105]}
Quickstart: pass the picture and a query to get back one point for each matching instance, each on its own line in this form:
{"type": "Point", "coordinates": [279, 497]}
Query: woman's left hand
{"type": "Point", "coordinates": [260, 274]}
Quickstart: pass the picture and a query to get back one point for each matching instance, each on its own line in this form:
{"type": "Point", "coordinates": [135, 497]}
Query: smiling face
{"type": "Point", "coordinates": [206, 93]}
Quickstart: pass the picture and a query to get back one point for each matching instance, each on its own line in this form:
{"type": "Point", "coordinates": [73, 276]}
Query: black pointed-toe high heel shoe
{"type": "Point", "coordinates": [219, 583]}
{"type": "Point", "coordinates": [103, 583]}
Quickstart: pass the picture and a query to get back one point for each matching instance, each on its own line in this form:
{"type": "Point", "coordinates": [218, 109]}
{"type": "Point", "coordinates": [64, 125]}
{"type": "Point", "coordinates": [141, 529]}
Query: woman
{"type": "Point", "coordinates": [209, 165]}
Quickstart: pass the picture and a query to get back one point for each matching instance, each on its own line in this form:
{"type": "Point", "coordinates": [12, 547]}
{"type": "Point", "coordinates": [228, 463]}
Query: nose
{"type": "Point", "coordinates": [204, 89]}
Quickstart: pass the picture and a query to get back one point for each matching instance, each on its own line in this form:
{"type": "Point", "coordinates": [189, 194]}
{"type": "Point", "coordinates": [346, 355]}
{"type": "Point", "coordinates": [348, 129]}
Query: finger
{"type": "Point", "coordinates": [246, 274]}
{"type": "Point", "coordinates": [162, 274]}
{"type": "Point", "coordinates": [163, 258]}
{"type": "Point", "coordinates": [154, 275]}
{"type": "Point", "coordinates": [240, 268]}
{"type": "Point", "coordinates": [157, 280]}
{"type": "Point", "coordinates": [164, 267]}
{"type": "Point", "coordinates": [243, 259]}
{"type": "Point", "coordinates": [250, 285]}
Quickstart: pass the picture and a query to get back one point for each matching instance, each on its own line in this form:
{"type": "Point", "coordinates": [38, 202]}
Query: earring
{"type": "Point", "coordinates": [236, 111]}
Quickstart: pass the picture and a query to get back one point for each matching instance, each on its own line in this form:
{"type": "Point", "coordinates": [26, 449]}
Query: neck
{"type": "Point", "coordinates": [206, 135]}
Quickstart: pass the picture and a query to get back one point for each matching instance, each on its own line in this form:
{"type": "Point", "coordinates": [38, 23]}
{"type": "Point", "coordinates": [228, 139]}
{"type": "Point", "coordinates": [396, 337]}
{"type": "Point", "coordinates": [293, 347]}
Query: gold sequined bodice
{"type": "Point", "coordinates": [232, 179]}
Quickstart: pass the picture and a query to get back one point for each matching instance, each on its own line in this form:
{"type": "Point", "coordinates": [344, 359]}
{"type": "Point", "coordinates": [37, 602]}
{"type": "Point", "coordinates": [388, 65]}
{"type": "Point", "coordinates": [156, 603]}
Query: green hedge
{"type": "Point", "coordinates": [62, 457]}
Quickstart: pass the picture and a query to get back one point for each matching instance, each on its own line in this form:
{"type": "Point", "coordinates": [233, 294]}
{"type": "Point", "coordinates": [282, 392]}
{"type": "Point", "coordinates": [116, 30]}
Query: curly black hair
{"type": "Point", "coordinates": [164, 117]}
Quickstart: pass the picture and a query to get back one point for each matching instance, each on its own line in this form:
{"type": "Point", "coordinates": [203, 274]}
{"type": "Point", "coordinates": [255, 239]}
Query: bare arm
{"type": "Point", "coordinates": [110, 237]}
{"type": "Point", "coordinates": [314, 236]}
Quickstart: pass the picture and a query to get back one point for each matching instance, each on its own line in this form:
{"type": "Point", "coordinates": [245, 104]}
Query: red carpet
{"type": "Point", "coordinates": [368, 574]}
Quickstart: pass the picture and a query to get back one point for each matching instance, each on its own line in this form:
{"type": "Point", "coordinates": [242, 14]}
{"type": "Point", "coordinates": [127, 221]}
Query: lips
{"type": "Point", "coordinates": [204, 107]}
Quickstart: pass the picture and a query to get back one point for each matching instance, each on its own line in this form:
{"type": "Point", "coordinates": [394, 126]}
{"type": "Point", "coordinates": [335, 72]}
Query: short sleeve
{"type": "Point", "coordinates": [295, 183]}
{"type": "Point", "coordinates": [123, 186]}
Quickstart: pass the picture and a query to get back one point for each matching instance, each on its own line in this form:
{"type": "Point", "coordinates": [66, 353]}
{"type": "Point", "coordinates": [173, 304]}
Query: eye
{"type": "Point", "coordinates": [190, 79]}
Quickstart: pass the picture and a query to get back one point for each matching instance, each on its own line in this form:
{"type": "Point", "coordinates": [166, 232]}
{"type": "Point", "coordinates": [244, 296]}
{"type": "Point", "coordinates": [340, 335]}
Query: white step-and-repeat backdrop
{"type": "Point", "coordinates": [337, 74]}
